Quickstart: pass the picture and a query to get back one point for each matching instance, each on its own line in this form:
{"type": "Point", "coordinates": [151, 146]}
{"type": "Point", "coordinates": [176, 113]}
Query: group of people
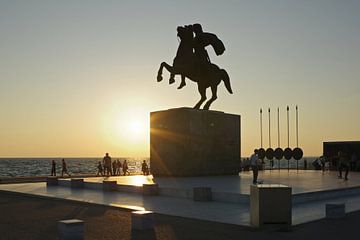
{"type": "Point", "coordinates": [112, 168]}
{"type": "Point", "coordinates": [63, 168]}
{"type": "Point", "coordinates": [115, 168]}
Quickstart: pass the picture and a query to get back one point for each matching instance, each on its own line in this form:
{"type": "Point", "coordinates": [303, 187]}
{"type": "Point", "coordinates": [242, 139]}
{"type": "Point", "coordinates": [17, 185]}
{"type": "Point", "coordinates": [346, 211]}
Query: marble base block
{"type": "Point", "coordinates": [109, 185]}
{"type": "Point", "coordinates": [150, 189]}
{"type": "Point", "coordinates": [72, 229]}
{"type": "Point", "coordinates": [77, 183]}
{"type": "Point", "coordinates": [142, 220]}
{"type": "Point", "coordinates": [202, 194]}
{"type": "Point", "coordinates": [335, 210]}
{"type": "Point", "coordinates": [270, 204]}
{"type": "Point", "coordinates": [191, 142]}
{"type": "Point", "coordinates": [52, 181]}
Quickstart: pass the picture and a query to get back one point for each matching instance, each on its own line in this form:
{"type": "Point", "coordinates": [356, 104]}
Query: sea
{"type": "Point", "coordinates": [31, 167]}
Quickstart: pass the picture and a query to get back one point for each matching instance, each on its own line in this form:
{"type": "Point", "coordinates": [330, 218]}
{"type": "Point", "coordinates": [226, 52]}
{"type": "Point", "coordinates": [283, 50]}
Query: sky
{"type": "Point", "coordinates": [78, 78]}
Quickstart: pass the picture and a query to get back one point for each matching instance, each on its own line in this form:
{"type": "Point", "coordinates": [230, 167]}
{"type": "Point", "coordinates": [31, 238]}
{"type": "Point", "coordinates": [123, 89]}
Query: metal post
{"type": "Point", "coordinates": [261, 135]}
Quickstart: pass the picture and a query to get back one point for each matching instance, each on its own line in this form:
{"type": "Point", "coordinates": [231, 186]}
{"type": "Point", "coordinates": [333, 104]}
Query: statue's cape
{"type": "Point", "coordinates": [214, 41]}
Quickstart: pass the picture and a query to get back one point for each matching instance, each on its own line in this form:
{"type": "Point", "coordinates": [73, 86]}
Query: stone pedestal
{"type": "Point", "coordinates": [190, 142]}
{"type": "Point", "coordinates": [72, 229]}
{"type": "Point", "coordinates": [270, 204]}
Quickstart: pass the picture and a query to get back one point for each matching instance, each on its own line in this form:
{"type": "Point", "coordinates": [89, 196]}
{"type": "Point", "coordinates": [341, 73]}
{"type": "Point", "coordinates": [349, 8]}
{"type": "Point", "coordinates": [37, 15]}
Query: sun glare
{"type": "Point", "coordinates": [136, 127]}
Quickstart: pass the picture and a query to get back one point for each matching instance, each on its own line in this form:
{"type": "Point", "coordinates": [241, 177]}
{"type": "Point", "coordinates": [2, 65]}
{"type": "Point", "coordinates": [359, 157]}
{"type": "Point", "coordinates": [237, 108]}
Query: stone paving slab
{"type": "Point", "coordinates": [229, 213]}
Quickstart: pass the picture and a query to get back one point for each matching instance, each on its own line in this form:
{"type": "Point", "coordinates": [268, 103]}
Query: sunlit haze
{"type": "Point", "coordinates": [78, 78]}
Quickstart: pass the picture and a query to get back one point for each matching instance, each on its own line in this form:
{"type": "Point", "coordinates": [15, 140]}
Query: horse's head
{"type": "Point", "coordinates": [185, 33]}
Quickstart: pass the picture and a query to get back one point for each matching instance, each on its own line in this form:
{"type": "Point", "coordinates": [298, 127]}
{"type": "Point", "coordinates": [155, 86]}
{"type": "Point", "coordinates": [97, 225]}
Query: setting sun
{"type": "Point", "coordinates": [136, 127]}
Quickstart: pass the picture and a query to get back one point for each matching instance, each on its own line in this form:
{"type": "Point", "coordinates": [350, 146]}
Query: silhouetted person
{"type": "Point", "coordinates": [144, 168]}
{"type": "Point", "coordinates": [125, 168]}
{"type": "Point", "coordinates": [100, 169]}
{"type": "Point", "coordinates": [343, 165]}
{"type": "Point", "coordinates": [53, 168]}
{"type": "Point", "coordinates": [107, 163]}
{"type": "Point", "coordinates": [305, 164]}
{"type": "Point", "coordinates": [254, 162]}
{"type": "Point", "coordinates": [64, 169]}
{"type": "Point", "coordinates": [118, 172]}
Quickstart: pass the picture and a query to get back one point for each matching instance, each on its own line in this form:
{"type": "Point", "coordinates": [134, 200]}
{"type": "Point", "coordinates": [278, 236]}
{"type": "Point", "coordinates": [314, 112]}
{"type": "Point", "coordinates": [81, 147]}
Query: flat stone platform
{"type": "Point", "coordinates": [311, 191]}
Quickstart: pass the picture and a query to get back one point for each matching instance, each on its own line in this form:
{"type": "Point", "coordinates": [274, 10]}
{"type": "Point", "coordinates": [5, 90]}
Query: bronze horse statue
{"type": "Point", "coordinates": [188, 65]}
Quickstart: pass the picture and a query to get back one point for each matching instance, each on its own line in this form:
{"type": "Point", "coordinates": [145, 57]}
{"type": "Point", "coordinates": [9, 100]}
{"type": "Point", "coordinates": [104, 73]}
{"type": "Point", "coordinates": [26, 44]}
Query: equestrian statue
{"type": "Point", "coordinates": [192, 61]}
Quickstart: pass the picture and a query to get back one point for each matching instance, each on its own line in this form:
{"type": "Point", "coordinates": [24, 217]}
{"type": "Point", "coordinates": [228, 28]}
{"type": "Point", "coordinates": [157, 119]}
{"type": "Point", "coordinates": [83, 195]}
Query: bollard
{"type": "Point", "coordinates": [77, 183]}
{"type": "Point", "coordinates": [335, 210]}
{"type": "Point", "coordinates": [72, 229]}
{"type": "Point", "coordinates": [150, 189]}
{"type": "Point", "coordinates": [202, 194]}
{"type": "Point", "coordinates": [109, 185]}
{"type": "Point", "coordinates": [142, 220]}
{"type": "Point", "coordinates": [52, 181]}
{"type": "Point", "coordinates": [270, 206]}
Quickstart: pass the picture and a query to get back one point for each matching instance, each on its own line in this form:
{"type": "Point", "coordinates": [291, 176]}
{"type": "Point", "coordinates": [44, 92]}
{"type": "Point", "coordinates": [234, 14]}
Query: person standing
{"type": "Point", "coordinates": [107, 164]}
{"type": "Point", "coordinates": [144, 168]}
{"type": "Point", "coordinates": [344, 164]}
{"type": "Point", "coordinates": [100, 169]}
{"type": "Point", "coordinates": [125, 168]}
{"type": "Point", "coordinates": [254, 163]}
{"type": "Point", "coordinates": [118, 167]}
{"type": "Point", "coordinates": [53, 168]}
{"type": "Point", "coordinates": [64, 169]}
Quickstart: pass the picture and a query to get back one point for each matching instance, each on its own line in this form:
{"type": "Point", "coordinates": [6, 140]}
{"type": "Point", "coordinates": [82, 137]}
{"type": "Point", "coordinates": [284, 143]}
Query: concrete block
{"type": "Point", "coordinates": [109, 185]}
{"type": "Point", "coordinates": [77, 183]}
{"type": "Point", "coordinates": [142, 220]}
{"type": "Point", "coordinates": [150, 189]}
{"type": "Point", "coordinates": [202, 194]}
{"type": "Point", "coordinates": [191, 142]}
{"type": "Point", "coordinates": [72, 229]}
{"type": "Point", "coordinates": [335, 210]}
{"type": "Point", "coordinates": [270, 204]}
{"type": "Point", "coordinates": [52, 181]}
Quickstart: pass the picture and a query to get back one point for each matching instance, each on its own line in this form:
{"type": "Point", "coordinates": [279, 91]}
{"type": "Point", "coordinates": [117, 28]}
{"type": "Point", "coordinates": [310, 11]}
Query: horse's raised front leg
{"type": "Point", "coordinates": [213, 98]}
{"type": "Point", "coordinates": [159, 75]}
{"type": "Point", "coordinates": [202, 91]}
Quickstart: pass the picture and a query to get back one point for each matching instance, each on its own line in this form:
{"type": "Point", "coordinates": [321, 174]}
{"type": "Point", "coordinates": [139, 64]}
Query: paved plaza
{"type": "Point", "coordinates": [302, 183]}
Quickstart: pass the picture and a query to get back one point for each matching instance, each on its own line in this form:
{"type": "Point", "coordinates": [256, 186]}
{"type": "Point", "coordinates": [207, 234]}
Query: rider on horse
{"type": "Point", "coordinates": [200, 41]}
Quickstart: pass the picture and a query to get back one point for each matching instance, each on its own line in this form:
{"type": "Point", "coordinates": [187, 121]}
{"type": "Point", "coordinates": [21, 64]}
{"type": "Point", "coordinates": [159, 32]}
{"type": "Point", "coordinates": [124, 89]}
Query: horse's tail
{"type": "Point", "coordinates": [225, 77]}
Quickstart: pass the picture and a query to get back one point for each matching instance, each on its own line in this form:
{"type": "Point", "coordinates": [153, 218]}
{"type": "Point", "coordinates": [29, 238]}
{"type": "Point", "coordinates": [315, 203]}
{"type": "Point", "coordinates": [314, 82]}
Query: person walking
{"type": "Point", "coordinates": [64, 169]}
{"type": "Point", "coordinates": [53, 168]}
{"type": "Point", "coordinates": [254, 163]}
